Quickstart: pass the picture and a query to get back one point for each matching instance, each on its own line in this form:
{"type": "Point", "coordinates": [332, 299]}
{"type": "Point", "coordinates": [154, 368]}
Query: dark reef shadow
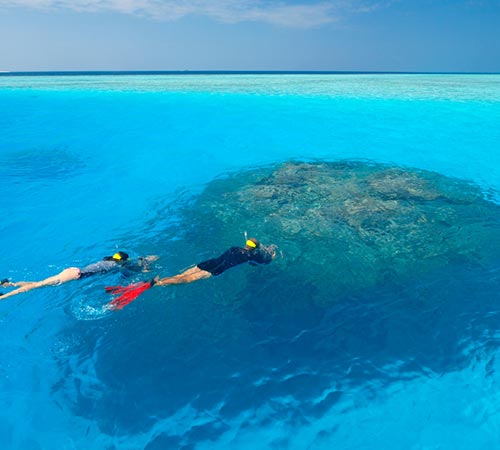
{"type": "Point", "coordinates": [388, 274]}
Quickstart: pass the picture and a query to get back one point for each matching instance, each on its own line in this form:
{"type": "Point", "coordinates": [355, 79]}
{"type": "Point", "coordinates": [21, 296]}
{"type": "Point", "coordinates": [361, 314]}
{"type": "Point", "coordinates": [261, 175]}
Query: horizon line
{"type": "Point", "coordinates": [233, 72]}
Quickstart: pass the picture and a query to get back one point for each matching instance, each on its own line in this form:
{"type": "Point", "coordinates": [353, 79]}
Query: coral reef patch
{"type": "Point", "coordinates": [351, 225]}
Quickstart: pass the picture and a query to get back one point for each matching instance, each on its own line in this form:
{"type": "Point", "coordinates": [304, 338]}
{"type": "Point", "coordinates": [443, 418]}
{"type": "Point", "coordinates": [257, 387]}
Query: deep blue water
{"type": "Point", "coordinates": [91, 165]}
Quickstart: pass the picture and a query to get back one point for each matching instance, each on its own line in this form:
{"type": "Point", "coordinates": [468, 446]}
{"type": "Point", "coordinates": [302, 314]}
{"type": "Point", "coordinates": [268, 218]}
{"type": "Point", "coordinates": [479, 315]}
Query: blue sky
{"type": "Point", "coordinates": [378, 35]}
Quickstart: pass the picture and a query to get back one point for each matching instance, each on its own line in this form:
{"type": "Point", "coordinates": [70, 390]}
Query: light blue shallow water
{"type": "Point", "coordinates": [89, 165]}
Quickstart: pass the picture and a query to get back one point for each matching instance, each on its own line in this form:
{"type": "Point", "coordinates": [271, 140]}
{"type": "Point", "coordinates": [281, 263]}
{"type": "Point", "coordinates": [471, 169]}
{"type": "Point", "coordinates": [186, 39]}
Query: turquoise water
{"type": "Point", "coordinates": [93, 164]}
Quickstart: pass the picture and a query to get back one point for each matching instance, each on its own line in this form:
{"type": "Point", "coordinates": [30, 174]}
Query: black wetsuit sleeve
{"type": "Point", "coordinates": [260, 256]}
{"type": "Point", "coordinates": [230, 258]}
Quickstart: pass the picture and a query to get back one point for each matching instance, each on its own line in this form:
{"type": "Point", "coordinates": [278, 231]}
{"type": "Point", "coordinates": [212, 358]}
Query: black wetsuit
{"type": "Point", "coordinates": [106, 266]}
{"type": "Point", "coordinates": [233, 257]}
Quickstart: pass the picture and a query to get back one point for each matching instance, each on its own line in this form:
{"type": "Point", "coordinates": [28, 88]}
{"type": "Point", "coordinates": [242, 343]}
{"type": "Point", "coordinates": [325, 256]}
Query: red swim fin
{"type": "Point", "coordinates": [113, 290]}
{"type": "Point", "coordinates": [128, 293]}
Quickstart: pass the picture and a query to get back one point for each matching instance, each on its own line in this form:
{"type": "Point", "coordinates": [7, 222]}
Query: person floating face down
{"type": "Point", "coordinates": [253, 253]}
{"type": "Point", "coordinates": [119, 262]}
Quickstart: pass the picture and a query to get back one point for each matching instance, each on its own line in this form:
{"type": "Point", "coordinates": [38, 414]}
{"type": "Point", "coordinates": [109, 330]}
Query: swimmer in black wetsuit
{"type": "Point", "coordinates": [117, 263]}
{"type": "Point", "coordinates": [254, 253]}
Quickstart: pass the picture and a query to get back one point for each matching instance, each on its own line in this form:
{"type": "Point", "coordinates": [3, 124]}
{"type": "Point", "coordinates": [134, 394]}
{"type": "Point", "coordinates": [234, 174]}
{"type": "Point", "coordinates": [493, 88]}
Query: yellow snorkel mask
{"type": "Point", "coordinates": [251, 244]}
{"type": "Point", "coordinates": [118, 257]}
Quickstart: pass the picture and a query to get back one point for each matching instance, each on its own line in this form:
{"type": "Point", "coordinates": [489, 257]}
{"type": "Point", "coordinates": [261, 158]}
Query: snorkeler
{"type": "Point", "coordinates": [254, 253]}
{"type": "Point", "coordinates": [119, 262]}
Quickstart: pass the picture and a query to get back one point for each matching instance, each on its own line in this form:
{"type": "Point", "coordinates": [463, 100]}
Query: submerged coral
{"type": "Point", "coordinates": [387, 274]}
{"type": "Point", "coordinates": [346, 226]}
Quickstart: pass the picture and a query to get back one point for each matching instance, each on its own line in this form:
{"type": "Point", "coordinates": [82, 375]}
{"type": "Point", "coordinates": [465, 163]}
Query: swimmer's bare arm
{"type": "Point", "coordinates": [145, 261]}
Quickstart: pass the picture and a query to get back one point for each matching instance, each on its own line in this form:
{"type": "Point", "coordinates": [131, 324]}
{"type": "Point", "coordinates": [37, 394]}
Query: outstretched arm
{"type": "Point", "coordinates": [144, 262]}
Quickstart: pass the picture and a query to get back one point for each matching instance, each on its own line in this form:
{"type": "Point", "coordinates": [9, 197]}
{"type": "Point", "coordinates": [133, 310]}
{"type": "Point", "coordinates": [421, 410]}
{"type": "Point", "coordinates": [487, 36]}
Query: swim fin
{"type": "Point", "coordinates": [128, 293]}
{"type": "Point", "coordinates": [114, 290]}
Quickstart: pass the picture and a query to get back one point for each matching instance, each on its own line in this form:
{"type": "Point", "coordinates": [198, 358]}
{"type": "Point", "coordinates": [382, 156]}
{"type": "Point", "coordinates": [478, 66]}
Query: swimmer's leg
{"type": "Point", "coordinates": [73, 273]}
{"type": "Point", "coordinates": [190, 275]}
{"type": "Point", "coordinates": [16, 283]}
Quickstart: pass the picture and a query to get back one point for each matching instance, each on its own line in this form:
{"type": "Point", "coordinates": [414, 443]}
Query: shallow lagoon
{"type": "Point", "coordinates": [98, 163]}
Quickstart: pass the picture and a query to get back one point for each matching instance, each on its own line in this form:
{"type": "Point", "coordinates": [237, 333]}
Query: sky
{"type": "Point", "coordinates": [314, 35]}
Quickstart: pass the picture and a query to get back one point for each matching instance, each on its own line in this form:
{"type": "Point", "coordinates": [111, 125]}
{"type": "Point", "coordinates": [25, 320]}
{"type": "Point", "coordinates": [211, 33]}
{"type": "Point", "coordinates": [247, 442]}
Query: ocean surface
{"type": "Point", "coordinates": [93, 164]}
